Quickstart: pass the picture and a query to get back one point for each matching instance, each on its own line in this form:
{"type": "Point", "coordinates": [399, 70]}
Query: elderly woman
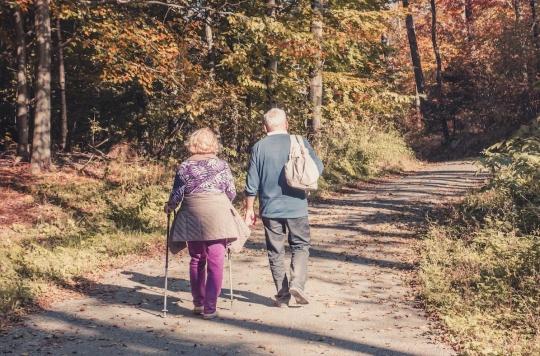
{"type": "Point", "coordinates": [207, 221]}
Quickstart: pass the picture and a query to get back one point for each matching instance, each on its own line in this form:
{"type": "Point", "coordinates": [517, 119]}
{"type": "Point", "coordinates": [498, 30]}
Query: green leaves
{"type": "Point", "coordinates": [515, 164]}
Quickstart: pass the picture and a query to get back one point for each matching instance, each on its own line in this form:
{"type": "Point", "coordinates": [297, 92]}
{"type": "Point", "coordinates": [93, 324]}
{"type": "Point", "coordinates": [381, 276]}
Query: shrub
{"type": "Point", "coordinates": [359, 151]}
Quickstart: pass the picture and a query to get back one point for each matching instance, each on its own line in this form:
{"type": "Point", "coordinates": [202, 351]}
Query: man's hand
{"type": "Point", "coordinates": [250, 217]}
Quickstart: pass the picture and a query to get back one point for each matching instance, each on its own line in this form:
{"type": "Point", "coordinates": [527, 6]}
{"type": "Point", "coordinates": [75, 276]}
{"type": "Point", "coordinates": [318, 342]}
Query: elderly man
{"type": "Point", "coordinates": [283, 209]}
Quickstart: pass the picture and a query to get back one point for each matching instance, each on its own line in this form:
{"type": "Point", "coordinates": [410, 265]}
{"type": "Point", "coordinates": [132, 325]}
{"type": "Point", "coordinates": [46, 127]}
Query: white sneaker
{"type": "Point", "coordinates": [198, 310]}
{"type": "Point", "coordinates": [210, 316]}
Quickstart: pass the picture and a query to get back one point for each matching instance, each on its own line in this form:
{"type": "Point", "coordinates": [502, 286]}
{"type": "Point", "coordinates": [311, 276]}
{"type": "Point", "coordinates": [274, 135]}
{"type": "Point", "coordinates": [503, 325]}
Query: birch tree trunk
{"type": "Point", "coordinates": [416, 60]}
{"type": "Point", "coordinates": [316, 79]}
{"type": "Point", "coordinates": [22, 86]}
{"type": "Point", "coordinates": [438, 73]}
{"type": "Point", "coordinates": [62, 84]}
{"type": "Point", "coordinates": [41, 143]}
{"type": "Point", "coordinates": [272, 63]}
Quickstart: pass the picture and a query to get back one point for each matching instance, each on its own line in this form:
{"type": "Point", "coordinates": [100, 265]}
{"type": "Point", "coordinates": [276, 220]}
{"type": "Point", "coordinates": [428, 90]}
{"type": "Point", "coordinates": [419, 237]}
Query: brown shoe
{"type": "Point", "coordinates": [299, 296]}
{"type": "Point", "coordinates": [282, 302]}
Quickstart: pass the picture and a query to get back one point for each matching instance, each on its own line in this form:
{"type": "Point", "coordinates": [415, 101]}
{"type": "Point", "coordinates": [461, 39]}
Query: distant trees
{"type": "Point", "coordinates": [484, 44]}
{"type": "Point", "coordinates": [148, 72]}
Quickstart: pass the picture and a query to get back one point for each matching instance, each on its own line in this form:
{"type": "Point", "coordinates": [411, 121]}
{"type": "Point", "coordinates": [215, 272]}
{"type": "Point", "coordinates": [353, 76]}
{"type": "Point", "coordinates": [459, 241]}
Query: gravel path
{"type": "Point", "coordinates": [361, 302]}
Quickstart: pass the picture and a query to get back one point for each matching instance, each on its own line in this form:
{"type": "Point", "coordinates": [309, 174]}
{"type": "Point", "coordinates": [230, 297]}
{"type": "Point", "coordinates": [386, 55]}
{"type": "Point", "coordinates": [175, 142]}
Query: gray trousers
{"type": "Point", "coordinates": [298, 235]}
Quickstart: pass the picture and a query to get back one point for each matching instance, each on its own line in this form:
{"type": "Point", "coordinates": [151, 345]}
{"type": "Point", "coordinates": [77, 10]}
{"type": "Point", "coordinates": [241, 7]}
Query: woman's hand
{"type": "Point", "coordinates": [167, 209]}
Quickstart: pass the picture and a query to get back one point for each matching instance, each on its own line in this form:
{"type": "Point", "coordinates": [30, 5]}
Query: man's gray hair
{"type": "Point", "coordinates": [275, 118]}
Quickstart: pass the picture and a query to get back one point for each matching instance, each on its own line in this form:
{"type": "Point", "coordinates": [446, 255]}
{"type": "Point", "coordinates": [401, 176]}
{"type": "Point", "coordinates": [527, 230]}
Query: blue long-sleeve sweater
{"type": "Point", "coordinates": [266, 178]}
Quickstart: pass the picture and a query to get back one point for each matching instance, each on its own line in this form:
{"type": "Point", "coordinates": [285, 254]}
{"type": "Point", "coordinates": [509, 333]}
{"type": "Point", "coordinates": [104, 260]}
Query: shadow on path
{"type": "Point", "coordinates": [362, 213]}
{"type": "Point", "coordinates": [317, 252]}
{"type": "Point", "coordinates": [108, 336]}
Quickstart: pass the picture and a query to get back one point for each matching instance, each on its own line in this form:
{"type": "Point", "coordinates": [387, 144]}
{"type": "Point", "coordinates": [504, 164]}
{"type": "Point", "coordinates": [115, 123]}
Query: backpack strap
{"type": "Point", "coordinates": [300, 141]}
{"type": "Point", "coordinates": [297, 144]}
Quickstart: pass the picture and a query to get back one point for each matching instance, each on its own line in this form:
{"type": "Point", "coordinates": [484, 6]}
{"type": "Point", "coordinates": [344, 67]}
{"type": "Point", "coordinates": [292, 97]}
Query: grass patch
{"type": "Point", "coordinates": [480, 266]}
{"type": "Point", "coordinates": [86, 222]}
{"type": "Point", "coordinates": [361, 151]}
{"type": "Point", "coordinates": [485, 288]}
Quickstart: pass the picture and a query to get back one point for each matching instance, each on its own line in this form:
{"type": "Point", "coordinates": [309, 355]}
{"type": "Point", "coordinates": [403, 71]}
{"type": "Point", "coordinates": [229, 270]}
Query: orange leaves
{"type": "Point", "coordinates": [24, 4]}
{"type": "Point", "coordinates": [137, 49]}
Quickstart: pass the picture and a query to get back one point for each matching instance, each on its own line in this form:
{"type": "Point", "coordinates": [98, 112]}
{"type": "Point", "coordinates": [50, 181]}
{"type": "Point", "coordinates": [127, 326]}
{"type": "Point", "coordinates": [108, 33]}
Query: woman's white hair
{"type": "Point", "coordinates": [275, 118]}
{"type": "Point", "coordinates": [203, 141]}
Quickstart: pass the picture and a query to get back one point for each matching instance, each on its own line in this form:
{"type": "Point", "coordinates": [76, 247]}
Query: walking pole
{"type": "Point", "coordinates": [166, 266]}
{"type": "Point", "coordinates": [230, 275]}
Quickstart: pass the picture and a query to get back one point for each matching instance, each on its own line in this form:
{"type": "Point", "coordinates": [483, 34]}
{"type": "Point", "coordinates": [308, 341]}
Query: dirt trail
{"type": "Point", "coordinates": [360, 299]}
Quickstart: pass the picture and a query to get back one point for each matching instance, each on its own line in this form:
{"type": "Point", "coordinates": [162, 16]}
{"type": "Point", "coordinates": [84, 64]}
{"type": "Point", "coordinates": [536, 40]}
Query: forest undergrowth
{"type": "Point", "coordinates": [480, 267]}
{"type": "Point", "coordinates": [78, 222]}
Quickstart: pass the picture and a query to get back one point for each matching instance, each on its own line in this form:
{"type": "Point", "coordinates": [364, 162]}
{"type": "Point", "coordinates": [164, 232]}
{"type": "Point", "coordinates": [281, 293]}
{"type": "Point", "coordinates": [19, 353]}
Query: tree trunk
{"type": "Point", "coordinates": [41, 144]}
{"type": "Point", "coordinates": [209, 37]}
{"type": "Point", "coordinates": [536, 34]}
{"type": "Point", "coordinates": [469, 20]}
{"type": "Point", "coordinates": [62, 83]}
{"type": "Point", "coordinates": [535, 28]}
{"type": "Point", "coordinates": [518, 13]}
{"type": "Point", "coordinates": [517, 10]}
{"type": "Point", "coordinates": [22, 87]}
{"type": "Point", "coordinates": [416, 60]}
{"type": "Point", "coordinates": [316, 79]}
{"type": "Point", "coordinates": [272, 63]}
{"type": "Point", "coordinates": [436, 50]}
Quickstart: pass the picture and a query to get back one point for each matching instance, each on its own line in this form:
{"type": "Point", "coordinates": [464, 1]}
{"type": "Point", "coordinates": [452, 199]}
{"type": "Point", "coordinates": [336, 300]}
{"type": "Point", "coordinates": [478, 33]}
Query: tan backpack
{"type": "Point", "coordinates": [301, 172]}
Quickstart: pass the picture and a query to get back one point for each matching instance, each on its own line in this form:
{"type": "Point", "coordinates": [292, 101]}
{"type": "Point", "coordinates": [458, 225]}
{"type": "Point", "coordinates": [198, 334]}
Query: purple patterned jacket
{"type": "Point", "coordinates": [211, 175]}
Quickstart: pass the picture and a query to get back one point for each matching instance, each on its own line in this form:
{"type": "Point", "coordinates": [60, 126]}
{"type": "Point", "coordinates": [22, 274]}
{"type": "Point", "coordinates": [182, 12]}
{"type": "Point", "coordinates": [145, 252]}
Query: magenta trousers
{"type": "Point", "coordinates": [206, 272]}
